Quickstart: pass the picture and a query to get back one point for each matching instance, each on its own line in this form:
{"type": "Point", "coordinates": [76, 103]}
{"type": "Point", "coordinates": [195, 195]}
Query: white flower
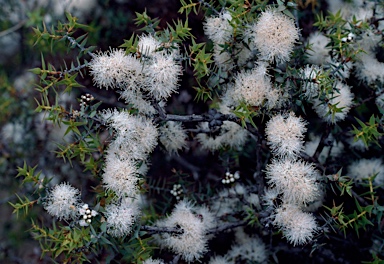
{"type": "Point", "coordinates": [115, 70]}
{"type": "Point", "coordinates": [369, 69]}
{"type": "Point", "coordinates": [297, 180]}
{"type": "Point", "coordinates": [153, 261]}
{"type": "Point", "coordinates": [135, 137]}
{"type": "Point", "coordinates": [319, 52]}
{"type": "Point", "coordinates": [341, 97]}
{"type": "Point", "coordinates": [231, 134]}
{"type": "Point", "coordinates": [364, 168]}
{"type": "Point", "coordinates": [380, 101]}
{"type": "Point", "coordinates": [311, 84]}
{"type": "Point", "coordinates": [192, 243]}
{"type": "Point", "coordinates": [218, 29]}
{"type": "Point", "coordinates": [219, 260]}
{"type": "Point", "coordinates": [136, 99]}
{"type": "Point", "coordinates": [173, 136]}
{"type": "Point", "coordinates": [251, 86]}
{"type": "Point", "coordinates": [62, 201]}
{"type": "Point", "coordinates": [247, 248]}
{"type": "Point", "coordinates": [298, 227]}
{"type": "Point", "coordinates": [121, 217]}
{"type": "Point", "coordinates": [275, 35]}
{"type": "Point", "coordinates": [121, 176]}
{"type": "Point", "coordinates": [147, 45]}
{"type": "Point", "coordinates": [270, 197]}
{"type": "Point", "coordinates": [222, 58]}
{"type": "Point", "coordinates": [285, 134]}
{"type": "Point", "coordinates": [162, 75]}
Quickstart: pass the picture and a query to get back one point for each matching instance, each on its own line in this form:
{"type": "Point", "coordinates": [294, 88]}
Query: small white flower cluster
{"type": "Point", "coordinates": [194, 222]}
{"type": "Point", "coordinates": [177, 191]}
{"type": "Point", "coordinates": [290, 178]}
{"type": "Point", "coordinates": [86, 99]}
{"type": "Point", "coordinates": [86, 214]}
{"type": "Point", "coordinates": [230, 178]}
{"type": "Point", "coordinates": [152, 72]}
{"type": "Point", "coordinates": [349, 38]}
{"type": "Point", "coordinates": [253, 88]}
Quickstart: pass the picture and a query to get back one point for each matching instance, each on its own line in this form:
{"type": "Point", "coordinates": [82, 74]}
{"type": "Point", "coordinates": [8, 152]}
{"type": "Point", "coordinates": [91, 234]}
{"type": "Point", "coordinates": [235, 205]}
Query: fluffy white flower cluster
{"type": "Point", "coordinates": [247, 248]}
{"type": "Point", "coordinates": [285, 134]}
{"type": "Point", "coordinates": [121, 216]}
{"type": "Point", "coordinates": [219, 30]}
{"type": "Point", "coordinates": [230, 134]}
{"type": "Point", "coordinates": [63, 201]}
{"type": "Point", "coordinates": [135, 137]}
{"type": "Point", "coordinates": [297, 226]}
{"type": "Point", "coordinates": [365, 168]}
{"type": "Point", "coordinates": [341, 97]}
{"type": "Point", "coordinates": [194, 222]}
{"type": "Point", "coordinates": [291, 179]}
{"type": "Point", "coordinates": [153, 261]}
{"type": "Point", "coordinates": [173, 136]}
{"type": "Point", "coordinates": [253, 87]}
{"type": "Point", "coordinates": [275, 35]}
{"type": "Point", "coordinates": [155, 74]}
{"type": "Point", "coordinates": [295, 179]}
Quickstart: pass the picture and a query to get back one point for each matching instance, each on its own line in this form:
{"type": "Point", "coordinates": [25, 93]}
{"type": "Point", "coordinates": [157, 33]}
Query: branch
{"type": "Point", "coordinates": [74, 42]}
{"type": "Point", "coordinates": [12, 29]}
{"type": "Point", "coordinates": [219, 229]}
{"type": "Point", "coordinates": [157, 229]}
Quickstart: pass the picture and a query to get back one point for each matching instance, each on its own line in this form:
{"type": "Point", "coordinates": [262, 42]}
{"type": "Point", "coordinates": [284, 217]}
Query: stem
{"type": "Point", "coordinates": [225, 227]}
{"type": "Point", "coordinates": [12, 29]}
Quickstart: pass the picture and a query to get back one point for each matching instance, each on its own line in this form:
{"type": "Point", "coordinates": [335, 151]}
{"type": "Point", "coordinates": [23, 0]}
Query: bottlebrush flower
{"type": "Point", "coordinates": [295, 179]}
{"type": "Point", "coordinates": [173, 136]}
{"type": "Point", "coordinates": [251, 86]}
{"type": "Point", "coordinates": [341, 97]}
{"type": "Point", "coordinates": [135, 136]}
{"type": "Point", "coordinates": [218, 29]}
{"type": "Point", "coordinates": [114, 69]}
{"type": "Point", "coordinates": [365, 168]}
{"type": "Point", "coordinates": [298, 227]}
{"type": "Point", "coordinates": [121, 217]}
{"type": "Point", "coordinates": [62, 201]}
{"type": "Point", "coordinates": [162, 76]}
{"type": "Point", "coordinates": [275, 35]}
{"type": "Point", "coordinates": [192, 243]}
{"type": "Point", "coordinates": [319, 52]}
{"type": "Point", "coordinates": [285, 134]}
{"type": "Point", "coordinates": [121, 176]}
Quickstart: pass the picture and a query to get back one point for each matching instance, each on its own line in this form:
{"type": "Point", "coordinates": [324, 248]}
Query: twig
{"type": "Point", "coordinates": [12, 29]}
{"type": "Point", "coordinates": [202, 2]}
{"type": "Point", "coordinates": [157, 229]}
{"type": "Point", "coordinates": [74, 42]}
{"type": "Point", "coordinates": [225, 227]}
